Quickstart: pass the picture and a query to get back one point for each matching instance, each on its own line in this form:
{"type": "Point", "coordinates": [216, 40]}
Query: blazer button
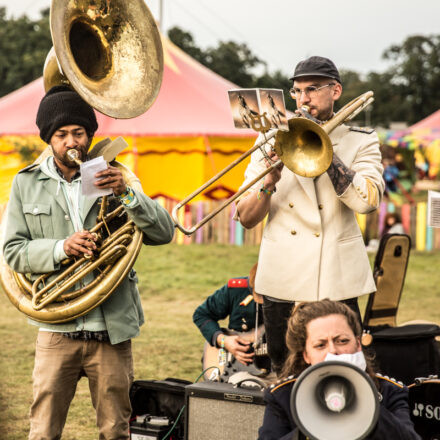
{"type": "Point", "coordinates": [244, 327]}
{"type": "Point", "coordinates": [66, 217]}
{"type": "Point", "coordinates": [291, 205]}
{"type": "Point", "coordinates": [320, 206]}
{"type": "Point", "coordinates": [317, 234]}
{"type": "Point", "coordinates": [293, 232]}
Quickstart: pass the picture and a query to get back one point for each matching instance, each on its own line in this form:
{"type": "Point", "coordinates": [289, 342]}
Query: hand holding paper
{"type": "Point", "coordinates": [100, 179]}
{"type": "Point", "coordinates": [88, 171]}
{"type": "Point", "coordinates": [111, 178]}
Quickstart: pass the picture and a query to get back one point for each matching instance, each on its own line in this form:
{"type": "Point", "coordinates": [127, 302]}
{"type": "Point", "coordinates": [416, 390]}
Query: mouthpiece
{"type": "Point", "coordinates": [73, 156]}
{"type": "Point", "coordinates": [305, 108]}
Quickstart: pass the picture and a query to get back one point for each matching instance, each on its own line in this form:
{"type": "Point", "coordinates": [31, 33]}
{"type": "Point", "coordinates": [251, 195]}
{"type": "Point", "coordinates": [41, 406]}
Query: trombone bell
{"type": "Point", "coordinates": [306, 149]}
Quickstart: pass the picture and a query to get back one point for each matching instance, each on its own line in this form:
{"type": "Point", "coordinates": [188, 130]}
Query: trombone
{"type": "Point", "coordinates": [306, 150]}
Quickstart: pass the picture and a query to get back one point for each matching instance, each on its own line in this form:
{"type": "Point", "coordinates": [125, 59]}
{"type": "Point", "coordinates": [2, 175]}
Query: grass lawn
{"type": "Point", "coordinates": [173, 281]}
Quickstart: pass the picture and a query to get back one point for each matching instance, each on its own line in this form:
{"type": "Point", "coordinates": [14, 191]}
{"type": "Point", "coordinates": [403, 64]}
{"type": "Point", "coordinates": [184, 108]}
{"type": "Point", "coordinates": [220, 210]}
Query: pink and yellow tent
{"type": "Point", "coordinates": [424, 138]}
{"type": "Point", "coordinates": [179, 143]}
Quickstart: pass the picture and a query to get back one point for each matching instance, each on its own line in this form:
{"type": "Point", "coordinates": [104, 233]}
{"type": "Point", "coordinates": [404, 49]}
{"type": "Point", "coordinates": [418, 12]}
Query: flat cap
{"type": "Point", "coordinates": [316, 66]}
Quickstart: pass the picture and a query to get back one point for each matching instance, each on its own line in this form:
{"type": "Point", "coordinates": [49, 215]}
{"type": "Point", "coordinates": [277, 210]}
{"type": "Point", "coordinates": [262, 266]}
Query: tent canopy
{"type": "Point", "coordinates": [192, 101]}
{"type": "Point", "coordinates": [186, 137]}
{"type": "Point", "coordinates": [431, 122]}
{"type": "Point", "coordinates": [424, 138]}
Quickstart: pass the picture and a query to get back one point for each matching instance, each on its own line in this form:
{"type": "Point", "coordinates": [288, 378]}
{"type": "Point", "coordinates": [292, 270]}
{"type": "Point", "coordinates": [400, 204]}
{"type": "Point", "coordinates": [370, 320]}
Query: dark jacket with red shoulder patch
{"type": "Point", "coordinates": [394, 416]}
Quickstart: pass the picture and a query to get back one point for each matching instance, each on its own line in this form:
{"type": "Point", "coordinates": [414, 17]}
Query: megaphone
{"type": "Point", "coordinates": [334, 400]}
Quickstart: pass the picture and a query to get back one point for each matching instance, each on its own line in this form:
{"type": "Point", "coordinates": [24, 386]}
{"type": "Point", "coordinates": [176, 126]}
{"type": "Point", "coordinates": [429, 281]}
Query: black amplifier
{"type": "Point", "coordinates": [217, 411]}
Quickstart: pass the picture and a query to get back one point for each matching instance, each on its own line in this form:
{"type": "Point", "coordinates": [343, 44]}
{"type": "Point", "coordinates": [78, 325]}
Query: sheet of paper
{"type": "Point", "coordinates": [88, 171]}
{"type": "Point", "coordinates": [433, 209]}
{"type": "Point", "coordinates": [248, 106]}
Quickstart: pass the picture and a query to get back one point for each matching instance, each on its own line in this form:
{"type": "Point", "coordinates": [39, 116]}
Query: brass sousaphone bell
{"type": "Point", "coordinates": [110, 53]}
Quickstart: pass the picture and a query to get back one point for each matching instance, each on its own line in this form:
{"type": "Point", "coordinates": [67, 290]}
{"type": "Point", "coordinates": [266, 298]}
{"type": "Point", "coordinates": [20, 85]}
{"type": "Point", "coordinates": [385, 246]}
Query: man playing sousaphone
{"type": "Point", "coordinates": [48, 220]}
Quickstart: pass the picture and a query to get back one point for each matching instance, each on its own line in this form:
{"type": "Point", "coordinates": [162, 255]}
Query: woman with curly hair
{"type": "Point", "coordinates": [324, 330]}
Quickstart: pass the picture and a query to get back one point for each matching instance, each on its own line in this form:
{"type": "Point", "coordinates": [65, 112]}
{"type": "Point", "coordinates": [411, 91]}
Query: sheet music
{"type": "Point", "coordinates": [88, 171]}
{"type": "Point", "coordinates": [433, 209]}
{"type": "Point", "coordinates": [247, 106]}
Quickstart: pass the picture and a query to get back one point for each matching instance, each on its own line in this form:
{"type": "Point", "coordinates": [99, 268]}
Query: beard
{"type": "Point", "coordinates": [323, 114]}
{"type": "Point", "coordinates": [64, 158]}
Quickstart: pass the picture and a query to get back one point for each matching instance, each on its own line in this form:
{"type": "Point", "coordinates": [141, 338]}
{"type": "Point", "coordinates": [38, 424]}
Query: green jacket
{"type": "Point", "coordinates": [37, 218]}
{"type": "Point", "coordinates": [225, 302]}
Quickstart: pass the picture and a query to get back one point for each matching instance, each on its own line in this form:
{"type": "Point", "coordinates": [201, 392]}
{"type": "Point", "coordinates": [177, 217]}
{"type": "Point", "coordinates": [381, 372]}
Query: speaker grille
{"type": "Point", "coordinates": [220, 419]}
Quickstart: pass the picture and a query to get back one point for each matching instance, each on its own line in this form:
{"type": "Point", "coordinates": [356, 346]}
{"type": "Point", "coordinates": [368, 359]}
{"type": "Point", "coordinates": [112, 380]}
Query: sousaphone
{"type": "Point", "coordinates": [110, 53]}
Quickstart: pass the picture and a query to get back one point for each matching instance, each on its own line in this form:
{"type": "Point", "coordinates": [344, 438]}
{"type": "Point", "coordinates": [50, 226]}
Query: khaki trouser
{"type": "Point", "coordinates": [59, 363]}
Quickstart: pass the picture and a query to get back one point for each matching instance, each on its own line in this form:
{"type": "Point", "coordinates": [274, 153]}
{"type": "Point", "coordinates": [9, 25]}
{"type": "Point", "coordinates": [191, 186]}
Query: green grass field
{"type": "Point", "coordinates": [173, 281]}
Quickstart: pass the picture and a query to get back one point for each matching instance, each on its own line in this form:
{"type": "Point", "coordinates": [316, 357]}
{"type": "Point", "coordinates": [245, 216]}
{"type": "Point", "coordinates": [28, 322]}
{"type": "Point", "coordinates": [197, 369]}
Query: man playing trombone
{"type": "Point", "coordinates": [312, 247]}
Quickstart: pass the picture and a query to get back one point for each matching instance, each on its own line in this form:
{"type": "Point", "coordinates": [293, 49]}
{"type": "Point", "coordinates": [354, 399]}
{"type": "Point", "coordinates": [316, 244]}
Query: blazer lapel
{"type": "Point", "coordinates": [308, 186]}
{"type": "Point", "coordinates": [335, 137]}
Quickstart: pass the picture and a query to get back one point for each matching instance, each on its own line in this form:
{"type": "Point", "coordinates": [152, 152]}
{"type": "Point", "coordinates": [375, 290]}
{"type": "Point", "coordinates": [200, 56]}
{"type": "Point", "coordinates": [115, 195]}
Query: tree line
{"type": "Point", "coordinates": [407, 91]}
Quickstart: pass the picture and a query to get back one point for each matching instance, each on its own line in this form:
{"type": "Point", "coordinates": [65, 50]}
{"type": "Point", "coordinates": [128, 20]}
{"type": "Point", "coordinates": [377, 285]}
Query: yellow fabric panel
{"type": "Point", "coordinates": [10, 165]}
{"type": "Point", "coordinates": [128, 156]}
{"type": "Point", "coordinates": [11, 162]}
{"type": "Point", "coordinates": [12, 143]}
{"type": "Point", "coordinates": [231, 145]}
{"type": "Point", "coordinates": [175, 167]}
{"type": "Point", "coordinates": [421, 226]}
{"type": "Point", "coordinates": [223, 153]}
{"type": "Point", "coordinates": [173, 175]}
{"type": "Point", "coordinates": [172, 167]}
{"type": "Point", "coordinates": [166, 145]}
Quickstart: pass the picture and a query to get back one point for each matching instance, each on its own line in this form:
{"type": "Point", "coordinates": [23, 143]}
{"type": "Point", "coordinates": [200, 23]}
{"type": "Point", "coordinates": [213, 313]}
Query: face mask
{"type": "Point", "coordinates": [357, 359]}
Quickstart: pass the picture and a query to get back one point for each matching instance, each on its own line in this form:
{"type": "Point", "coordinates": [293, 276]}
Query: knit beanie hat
{"type": "Point", "coordinates": [63, 106]}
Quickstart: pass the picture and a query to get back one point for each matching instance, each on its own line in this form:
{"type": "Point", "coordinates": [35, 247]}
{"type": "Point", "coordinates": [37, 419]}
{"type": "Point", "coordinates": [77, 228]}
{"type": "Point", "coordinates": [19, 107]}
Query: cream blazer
{"type": "Point", "coordinates": [312, 247]}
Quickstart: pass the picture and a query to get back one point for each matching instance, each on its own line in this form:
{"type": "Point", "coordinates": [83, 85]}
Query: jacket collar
{"type": "Point", "coordinates": [51, 186]}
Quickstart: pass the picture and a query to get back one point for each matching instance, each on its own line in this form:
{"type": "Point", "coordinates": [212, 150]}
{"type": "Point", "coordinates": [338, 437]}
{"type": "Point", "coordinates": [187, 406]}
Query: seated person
{"type": "Point", "coordinates": [236, 300]}
{"type": "Point", "coordinates": [393, 224]}
{"type": "Point", "coordinates": [314, 330]}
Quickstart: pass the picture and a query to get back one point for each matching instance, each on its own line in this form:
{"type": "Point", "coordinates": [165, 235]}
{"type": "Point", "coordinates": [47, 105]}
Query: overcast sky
{"type": "Point", "coordinates": [282, 32]}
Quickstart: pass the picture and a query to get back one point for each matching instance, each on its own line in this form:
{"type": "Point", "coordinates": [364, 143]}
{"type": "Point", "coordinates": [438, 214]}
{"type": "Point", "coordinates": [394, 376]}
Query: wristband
{"type": "Point", "coordinates": [264, 190]}
{"type": "Point", "coordinates": [126, 197]}
{"type": "Point", "coordinates": [222, 351]}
